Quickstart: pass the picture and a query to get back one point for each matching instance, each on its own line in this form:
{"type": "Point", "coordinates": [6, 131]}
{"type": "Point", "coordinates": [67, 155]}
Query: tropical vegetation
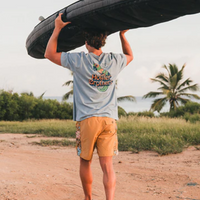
{"type": "Point", "coordinates": [70, 93]}
{"type": "Point", "coordinates": [18, 107]}
{"type": "Point", "coordinates": [173, 89]}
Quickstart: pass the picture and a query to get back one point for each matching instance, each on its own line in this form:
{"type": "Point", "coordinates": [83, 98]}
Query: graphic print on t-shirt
{"type": "Point", "coordinates": [102, 81]}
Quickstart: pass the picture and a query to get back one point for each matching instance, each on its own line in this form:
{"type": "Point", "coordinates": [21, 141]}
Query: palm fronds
{"type": "Point", "coordinates": [68, 83]}
{"type": "Point", "coordinates": [41, 96]}
{"type": "Point", "coordinates": [172, 88]}
{"type": "Point", "coordinates": [152, 94]}
{"type": "Point", "coordinates": [67, 95]}
{"type": "Point", "coordinates": [126, 98]}
{"type": "Point", "coordinates": [159, 81]}
{"type": "Point", "coordinates": [158, 104]}
{"type": "Point", "coordinates": [195, 96]}
{"type": "Point", "coordinates": [186, 82]}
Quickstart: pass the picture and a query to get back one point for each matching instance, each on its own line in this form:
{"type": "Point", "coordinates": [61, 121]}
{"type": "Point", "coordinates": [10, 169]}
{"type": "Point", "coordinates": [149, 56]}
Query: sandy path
{"type": "Point", "coordinates": [31, 172]}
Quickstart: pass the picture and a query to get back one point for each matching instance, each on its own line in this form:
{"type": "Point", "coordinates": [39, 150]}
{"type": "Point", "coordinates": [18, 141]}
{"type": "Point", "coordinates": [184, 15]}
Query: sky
{"type": "Point", "coordinates": [176, 42]}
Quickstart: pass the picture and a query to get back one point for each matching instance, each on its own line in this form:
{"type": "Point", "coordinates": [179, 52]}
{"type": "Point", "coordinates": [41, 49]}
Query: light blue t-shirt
{"type": "Point", "coordinates": [94, 92]}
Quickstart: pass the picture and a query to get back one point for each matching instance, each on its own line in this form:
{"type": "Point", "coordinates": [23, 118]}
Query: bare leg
{"type": "Point", "coordinates": [86, 178]}
{"type": "Point", "coordinates": [109, 179]}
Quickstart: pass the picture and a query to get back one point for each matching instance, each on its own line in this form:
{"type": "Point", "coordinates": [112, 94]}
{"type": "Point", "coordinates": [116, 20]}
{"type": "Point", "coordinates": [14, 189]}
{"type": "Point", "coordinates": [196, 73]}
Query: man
{"type": "Point", "coordinates": [95, 102]}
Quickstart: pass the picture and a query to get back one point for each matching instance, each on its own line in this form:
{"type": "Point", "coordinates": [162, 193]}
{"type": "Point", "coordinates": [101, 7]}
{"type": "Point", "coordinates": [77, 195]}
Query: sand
{"type": "Point", "coordinates": [32, 172]}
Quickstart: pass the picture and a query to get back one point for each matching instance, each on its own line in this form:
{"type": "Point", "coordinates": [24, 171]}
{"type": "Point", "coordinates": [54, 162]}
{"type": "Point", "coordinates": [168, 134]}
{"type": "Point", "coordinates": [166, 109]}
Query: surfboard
{"type": "Point", "coordinates": [109, 15]}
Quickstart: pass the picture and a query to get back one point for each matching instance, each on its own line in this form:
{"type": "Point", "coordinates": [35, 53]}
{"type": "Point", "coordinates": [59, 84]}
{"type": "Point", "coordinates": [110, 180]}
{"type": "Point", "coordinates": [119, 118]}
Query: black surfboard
{"type": "Point", "coordinates": [109, 15]}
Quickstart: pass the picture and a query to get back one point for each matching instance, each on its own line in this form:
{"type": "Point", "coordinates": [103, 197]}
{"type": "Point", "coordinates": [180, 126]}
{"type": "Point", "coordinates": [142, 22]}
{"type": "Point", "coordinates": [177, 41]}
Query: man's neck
{"type": "Point", "coordinates": [97, 52]}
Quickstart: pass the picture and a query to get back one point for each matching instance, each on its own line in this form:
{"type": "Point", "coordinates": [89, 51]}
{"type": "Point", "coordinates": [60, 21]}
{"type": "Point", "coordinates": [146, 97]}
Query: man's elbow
{"type": "Point", "coordinates": [49, 56]}
{"type": "Point", "coordinates": [55, 58]}
{"type": "Point", "coordinates": [46, 55]}
{"type": "Point", "coordinates": [129, 59]}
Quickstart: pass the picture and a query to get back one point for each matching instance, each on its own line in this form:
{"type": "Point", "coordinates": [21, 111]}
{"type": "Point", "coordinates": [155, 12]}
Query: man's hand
{"type": "Point", "coordinates": [51, 49]}
{"type": "Point", "coordinates": [59, 24]}
{"type": "Point", "coordinates": [123, 32]}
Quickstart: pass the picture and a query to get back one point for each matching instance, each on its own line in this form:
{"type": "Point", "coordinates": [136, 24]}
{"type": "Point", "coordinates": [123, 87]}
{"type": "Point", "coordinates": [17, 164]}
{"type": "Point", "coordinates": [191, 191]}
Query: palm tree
{"type": "Point", "coordinates": [172, 89]}
{"type": "Point", "coordinates": [70, 93]}
{"type": "Point", "coordinates": [41, 96]}
{"type": "Point", "coordinates": [125, 98]}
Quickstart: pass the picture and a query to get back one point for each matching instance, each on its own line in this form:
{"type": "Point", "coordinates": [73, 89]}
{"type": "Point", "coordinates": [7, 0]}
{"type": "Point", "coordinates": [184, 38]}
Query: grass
{"type": "Point", "coordinates": [50, 128]}
{"type": "Point", "coordinates": [163, 135]}
{"type": "Point", "coordinates": [63, 143]}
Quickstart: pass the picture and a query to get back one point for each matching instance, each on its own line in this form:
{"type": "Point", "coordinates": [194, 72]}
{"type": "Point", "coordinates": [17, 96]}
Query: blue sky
{"type": "Point", "coordinates": [177, 41]}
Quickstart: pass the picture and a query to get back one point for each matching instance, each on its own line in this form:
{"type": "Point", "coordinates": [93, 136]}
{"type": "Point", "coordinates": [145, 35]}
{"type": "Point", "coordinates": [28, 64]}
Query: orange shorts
{"type": "Point", "coordinates": [99, 133]}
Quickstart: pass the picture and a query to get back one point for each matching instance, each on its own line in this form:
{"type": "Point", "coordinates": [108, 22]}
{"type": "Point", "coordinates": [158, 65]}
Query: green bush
{"type": "Point", "coordinates": [14, 107]}
{"type": "Point", "coordinates": [187, 111]}
{"type": "Point", "coordinates": [132, 114]}
{"type": "Point", "coordinates": [173, 114]}
{"type": "Point", "coordinates": [194, 118]}
{"type": "Point", "coordinates": [187, 116]}
{"type": "Point", "coordinates": [9, 108]}
{"type": "Point", "coordinates": [142, 114]}
{"type": "Point", "coordinates": [191, 107]}
{"type": "Point", "coordinates": [26, 104]}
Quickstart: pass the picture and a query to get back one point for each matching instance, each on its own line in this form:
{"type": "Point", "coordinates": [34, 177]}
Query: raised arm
{"type": "Point", "coordinates": [51, 49]}
{"type": "Point", "coordinates": [126, 48]}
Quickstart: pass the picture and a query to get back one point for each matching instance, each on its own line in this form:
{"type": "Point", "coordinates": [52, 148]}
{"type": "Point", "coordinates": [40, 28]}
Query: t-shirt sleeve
{"type": "Point", "coordinates": [71, 61]}
{"type": "Point", "coordinates": [121, 62]}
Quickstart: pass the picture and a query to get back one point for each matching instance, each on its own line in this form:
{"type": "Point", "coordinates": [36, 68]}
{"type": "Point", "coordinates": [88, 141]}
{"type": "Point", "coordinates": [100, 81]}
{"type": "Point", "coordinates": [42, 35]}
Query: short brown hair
{"type": "Point", "coordinates": [95, 38]}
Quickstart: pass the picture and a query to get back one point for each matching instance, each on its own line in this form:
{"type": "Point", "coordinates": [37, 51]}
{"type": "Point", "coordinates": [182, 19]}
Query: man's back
{"type": "Point", "coordinates": [94, 83]}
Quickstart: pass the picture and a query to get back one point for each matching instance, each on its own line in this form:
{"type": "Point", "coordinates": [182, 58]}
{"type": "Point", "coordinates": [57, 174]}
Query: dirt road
{"type": "Point", "coordinates": [31, 172]}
